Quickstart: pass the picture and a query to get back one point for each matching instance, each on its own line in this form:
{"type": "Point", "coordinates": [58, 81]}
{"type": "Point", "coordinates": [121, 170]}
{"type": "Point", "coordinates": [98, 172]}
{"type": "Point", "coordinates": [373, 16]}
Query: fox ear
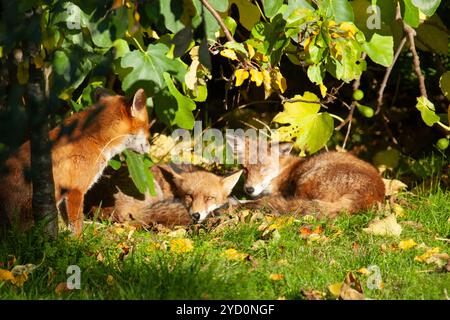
{"type": "Point", "coordinates": [230, 181]}
{"type": "Point", "coordinates": [138, 108]}
{"type": "Point", "coordinates": [172, 171]}
{"type": "Point", "coordinates": [284, 148]}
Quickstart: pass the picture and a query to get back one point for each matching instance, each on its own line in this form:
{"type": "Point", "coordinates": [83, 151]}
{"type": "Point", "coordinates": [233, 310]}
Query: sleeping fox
{"type": "Point", "coordinates": [81, 148]}
{"type": "Point", "coordinates": [328, 183]}
{"type": "Point", "coordinates": [184, 195]}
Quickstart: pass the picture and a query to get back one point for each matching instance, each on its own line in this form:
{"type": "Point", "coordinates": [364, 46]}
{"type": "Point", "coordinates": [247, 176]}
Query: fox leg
{"type": "Point", "coordinates": [74, 205]}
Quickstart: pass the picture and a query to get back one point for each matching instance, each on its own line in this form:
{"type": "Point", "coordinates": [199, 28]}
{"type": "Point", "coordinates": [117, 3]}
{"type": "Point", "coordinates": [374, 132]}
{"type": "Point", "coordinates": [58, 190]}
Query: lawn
{"type": "Point", "coordinates": [244, 256]}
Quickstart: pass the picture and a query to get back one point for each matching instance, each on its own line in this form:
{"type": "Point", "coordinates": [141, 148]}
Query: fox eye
{"type": "Point", "coordinates": [210, 198]}
{"type": "Point", "coordinates": [188, 197]}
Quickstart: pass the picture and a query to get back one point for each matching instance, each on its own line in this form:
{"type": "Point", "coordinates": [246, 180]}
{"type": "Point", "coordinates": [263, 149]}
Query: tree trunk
{"type": "Point", "coordinates": [43, 203]}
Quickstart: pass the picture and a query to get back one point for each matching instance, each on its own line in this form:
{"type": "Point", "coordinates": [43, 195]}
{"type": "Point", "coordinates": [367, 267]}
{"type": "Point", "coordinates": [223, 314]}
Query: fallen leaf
{"type": "Point", "coordinates": [313, 294]}
{"type": "Point", "coordinates": [179, 233]}
{"type": "Point", "coordinates": [335, 288]}
{"type": "Point", "coordinates": [407, 244]}
{"type": "Point", "coordinates": [233, 254]}
{"type": "Point", "coordinates": [61, 288]}
{"type": "Point", "coordinates": [385, 227]}
{"type": "Point", "coordinates": [398, 210]}
{"type": "Point", "coordinates": [110, 280]}
{"type": "Point", "coordinates": [428, 254]}
{"type": "Point", "coordinates": [100, 257]}
{"type": "Point", "coordinates": [348, 293]}
{"type": "Point", "coordinates": [276, 277]}
{"type": "Point", "coordinates": [363, 271]}
{"type": "Point", "coordinates": [393, 186]}
{"type": "Point", "coordinates": [181, 245]}
{"type": "Point", "coordinates": [6, 275]}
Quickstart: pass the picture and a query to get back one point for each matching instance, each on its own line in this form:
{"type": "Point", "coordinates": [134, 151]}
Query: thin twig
{"type": "Point", "coordinates": [387, 75]}
{"type": "Point", "coordinates": [411, 33]}
{"type": "Point", "coordinates": [219, 20]}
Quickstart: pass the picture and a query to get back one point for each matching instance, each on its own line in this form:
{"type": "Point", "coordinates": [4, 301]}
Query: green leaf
{"type": "Point", "coordinates": [428, 7]}
{"type": "Point", "coordinates": [444, 83]}
{"type": "Point", "coordinates": [139, 172]}
{"type": "Point", "coordinates": [147, 68]}
{"type": "Point", "coordinates": [380, 49]}
{"type": "Point", "coordinates": [271, 7]}
{"type": "Point", "coordinates": [294, 112]}
{"type": "Point", "coordinates": [412, 14]}
{"type": "Point", "coordinates": [431, 35]}
{"type": "Point", "coordinates": [338, 10]}
{"type": "Point", "coordinates": [183, 116]}
{"type": "Point", "coordinates": [121, 48]}
{"type": "Point", "coordinates": [115, 164]}
{"type": "Point", "coordinates": [316, 73]}
{"type": "Point", "coordinates": [315, 132]}
{"type": "Point", "coordinates": [231, 24]}
{"type": "Point", "coordinates": [427, 111]}
{"type": "Point", "coordinates": [249, 13]}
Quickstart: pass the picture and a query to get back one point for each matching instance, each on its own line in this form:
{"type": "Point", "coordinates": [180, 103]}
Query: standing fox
{"type": "Point", "coordinates": [329, 183]}
{"type": "Point", "coordinates": [186, 195]}
{"type": "Point", "coordinates": [81, 148]}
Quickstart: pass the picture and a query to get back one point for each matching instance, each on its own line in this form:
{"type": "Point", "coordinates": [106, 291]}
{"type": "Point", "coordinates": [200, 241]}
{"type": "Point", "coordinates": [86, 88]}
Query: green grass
{"type": "Point", "coordinates": [205, 272]}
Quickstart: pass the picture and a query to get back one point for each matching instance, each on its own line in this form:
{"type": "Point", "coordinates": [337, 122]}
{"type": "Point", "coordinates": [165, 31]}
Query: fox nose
{"type": "Point", "coordinates": [249, 190]}
{"type": "Point", "coordinates": [196, 216]}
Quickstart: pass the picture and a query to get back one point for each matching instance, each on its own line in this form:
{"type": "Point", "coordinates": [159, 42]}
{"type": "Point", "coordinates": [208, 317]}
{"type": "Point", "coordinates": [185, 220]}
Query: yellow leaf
{"type": "Point", "coordinates": [427, 255]}
{"type": "Point", "coordinates": [256, 76]}
{"type": "Point", "coordinates": [307, 43]}
{"type": "Point", "coordinates": [267, 83]}
{"type": "Point", "coordinates": [241, 75]}
{"type": "Point", "coordinates": [407, 244]}
{"type": "Point", "coordinates": [229, 53]}
{"type": "Point", "coordinates": [323, 90]}
{"type": "Point", "coordinates": [281, 82]}
{"type": "Point", "coordinates": [385, 227]}
{"type": "Point", "coordinates": [331, 23]}
{"type": "Point", "coordinates": [181, 245]}
{"type": "Point", "coordinates": [363, 271]}
{"type": "Point", "coordinates": [398, 210]}
{"type": "Point", "coordinates": [251, 51]}
{"type": "Point", "coordinates": [276, 277]}
{"type": "Point", "coordinates": [335, 288]}
{"type": "Point", "coordinates": [110, 280]}
{"type": "Point", "coordinates": [233, 254]}
{"type": "Point", "coordinates": [19, 280]}
{"type": "Point", "coordinates": [6, 275]}
{"type": "Point", "coordinates": [349, 27]}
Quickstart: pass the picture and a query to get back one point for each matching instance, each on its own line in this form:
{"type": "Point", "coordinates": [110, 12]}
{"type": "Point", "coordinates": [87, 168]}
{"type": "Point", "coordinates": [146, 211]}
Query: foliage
{"type": "Point", "coordinates": [173, 48]}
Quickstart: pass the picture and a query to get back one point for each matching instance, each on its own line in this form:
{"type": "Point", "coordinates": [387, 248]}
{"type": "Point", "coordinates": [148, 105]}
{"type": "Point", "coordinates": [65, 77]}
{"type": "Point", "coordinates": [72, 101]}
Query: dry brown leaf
{"type": "Point", "coordinates": [313, 294]}
{"type": "Point", "coordinates": [61, 288]}
{"type": "Point", "coordinates": [385, 227]}
{"type": "Point", "coordinates": [393, 186]}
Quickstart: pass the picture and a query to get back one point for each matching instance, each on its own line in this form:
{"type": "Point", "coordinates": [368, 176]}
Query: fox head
{"type": "Point", "coordinates": [260, 169]}
{"type": "Point", "coordinates": [203, 192]}
{"type": "Point", "coordinates": [133, 121]}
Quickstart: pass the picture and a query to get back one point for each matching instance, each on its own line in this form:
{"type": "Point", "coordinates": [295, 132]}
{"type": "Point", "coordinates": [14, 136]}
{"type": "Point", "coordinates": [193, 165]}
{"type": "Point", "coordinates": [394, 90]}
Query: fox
{"type": "Point", "coordinates": [80, 149]}
{"type": "Point", "coordinates": [194, 195]}
{"type": "Point", "coordinates": [326, 184]}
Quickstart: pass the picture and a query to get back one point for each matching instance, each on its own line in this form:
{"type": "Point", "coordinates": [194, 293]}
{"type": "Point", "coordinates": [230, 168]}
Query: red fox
{"type": "Point", "coordinates": [183, 196]}
{"type": "Point", "coordinates": [81, 148]}
{"type": "Point", "coordinates": [329, 182]}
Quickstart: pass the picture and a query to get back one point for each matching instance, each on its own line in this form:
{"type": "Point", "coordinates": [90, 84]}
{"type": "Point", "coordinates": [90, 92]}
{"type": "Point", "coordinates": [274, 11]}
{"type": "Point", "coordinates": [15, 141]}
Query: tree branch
{"type": "Point", "coordinates": [219, 20]}
{"type": "Point", "coordinates": [387, 75]}
{"type": "Point", "coordinates": [411, 33]}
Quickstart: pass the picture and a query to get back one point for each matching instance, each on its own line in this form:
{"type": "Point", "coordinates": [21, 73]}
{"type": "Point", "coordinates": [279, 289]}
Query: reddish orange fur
{"type": "Point", "coordinates": [81, 148]}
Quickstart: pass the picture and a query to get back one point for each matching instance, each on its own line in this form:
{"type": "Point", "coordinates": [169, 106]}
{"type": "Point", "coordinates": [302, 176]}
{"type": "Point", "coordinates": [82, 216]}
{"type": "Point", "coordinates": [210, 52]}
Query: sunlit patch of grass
{"type": "Point", "coordinates": [117, 264]}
